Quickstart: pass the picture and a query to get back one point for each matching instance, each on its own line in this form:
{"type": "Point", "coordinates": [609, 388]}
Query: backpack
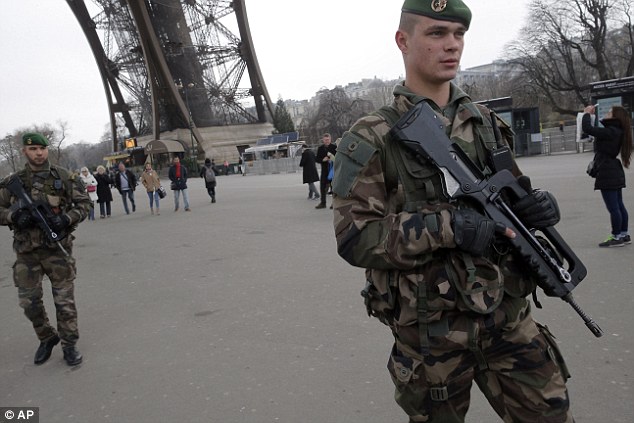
{"type": "Point", "coordinates": [210, 175]}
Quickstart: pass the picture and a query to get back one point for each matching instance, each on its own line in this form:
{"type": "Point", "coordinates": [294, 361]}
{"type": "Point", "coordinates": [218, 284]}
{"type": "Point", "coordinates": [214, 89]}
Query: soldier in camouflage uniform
{"type": "Point", "coordinates": [437, 274]}
{"type": "Point", "coordinates": [36, 257]}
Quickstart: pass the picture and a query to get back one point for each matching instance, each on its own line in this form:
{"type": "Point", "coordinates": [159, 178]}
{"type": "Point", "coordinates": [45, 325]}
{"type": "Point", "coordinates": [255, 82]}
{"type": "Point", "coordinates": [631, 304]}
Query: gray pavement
{"type": "Point", "coordinates": [241, 311]}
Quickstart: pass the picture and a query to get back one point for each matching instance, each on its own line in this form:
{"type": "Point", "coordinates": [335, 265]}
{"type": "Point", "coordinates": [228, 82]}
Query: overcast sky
{"type": "Point", "coordinates": [48, 72]}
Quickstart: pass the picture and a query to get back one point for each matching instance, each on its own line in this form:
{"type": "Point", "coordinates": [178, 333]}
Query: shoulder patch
{"type": "Point", "coordinates": [353, 154]}
{"type": "Point", "coordinates": [356, 148]}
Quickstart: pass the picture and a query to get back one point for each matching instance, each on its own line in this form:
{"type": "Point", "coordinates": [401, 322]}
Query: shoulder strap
{"type": "Point", "coordinates": [391, 116]}
{"type": "Point", "coordinates": [65, 176]}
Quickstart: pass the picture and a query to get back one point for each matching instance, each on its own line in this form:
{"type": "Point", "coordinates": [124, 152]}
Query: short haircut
{"type": "Point", "coordinates": [407, 23]}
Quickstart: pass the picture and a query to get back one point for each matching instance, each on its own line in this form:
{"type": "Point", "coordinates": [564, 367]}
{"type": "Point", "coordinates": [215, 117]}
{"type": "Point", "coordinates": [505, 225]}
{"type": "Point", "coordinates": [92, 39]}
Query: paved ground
{"type": "Point", "coordinates": [241, 311]}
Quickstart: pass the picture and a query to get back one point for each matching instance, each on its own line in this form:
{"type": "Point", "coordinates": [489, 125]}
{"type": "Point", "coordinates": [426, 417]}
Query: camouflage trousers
{"type": "Point", "coordinates": [514, 361]}
{"type": "Point", "coordinates": [28, 273]}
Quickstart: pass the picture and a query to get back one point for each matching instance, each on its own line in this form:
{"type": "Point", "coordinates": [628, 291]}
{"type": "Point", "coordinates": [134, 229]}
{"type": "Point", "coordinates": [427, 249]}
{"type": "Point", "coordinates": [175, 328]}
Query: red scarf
{"type": "Point", "coordinates": [178, 169]}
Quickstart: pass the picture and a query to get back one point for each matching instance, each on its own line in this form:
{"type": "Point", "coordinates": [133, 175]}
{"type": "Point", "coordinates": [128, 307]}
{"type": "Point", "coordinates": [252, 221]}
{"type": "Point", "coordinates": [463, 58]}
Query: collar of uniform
{"type": "Point", "coordinates": [467, 111]}
{"type": "Point", "coordinates": [44, 168]}
{"type": "Point", "coordinates": [456, 94]}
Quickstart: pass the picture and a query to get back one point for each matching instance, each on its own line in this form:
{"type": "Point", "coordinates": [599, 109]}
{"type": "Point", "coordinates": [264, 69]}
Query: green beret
{"type": "Point", "coordinates": [442, 10]}
{"type": "Point", "coordinates": [33, 138]}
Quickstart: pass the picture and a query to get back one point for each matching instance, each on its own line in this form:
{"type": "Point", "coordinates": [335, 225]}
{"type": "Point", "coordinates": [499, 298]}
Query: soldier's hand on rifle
{"type": "Point", "coordinates": [474, 232]}
{"type": "Point", "coordinates": [59, 222]}
{"type": "Point", "coordinates": [538, 209]}
{"type": "Point", "coordinates": [22, 219]}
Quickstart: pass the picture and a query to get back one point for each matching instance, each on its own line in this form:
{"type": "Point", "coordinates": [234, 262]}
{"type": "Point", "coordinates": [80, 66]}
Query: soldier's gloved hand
{"type": "Point", "coordinates": [538, 209]}
{"type": "Point", "coordinates": [22, 219]}
{"type": "Point", "coordinates": [59, 222]}
{"type": "Point", "coordinates": [474, 232]}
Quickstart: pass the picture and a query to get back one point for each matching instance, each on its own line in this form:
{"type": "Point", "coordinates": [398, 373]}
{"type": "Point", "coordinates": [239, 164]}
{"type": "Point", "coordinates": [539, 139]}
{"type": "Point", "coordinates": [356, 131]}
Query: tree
{"type": "Point", "coordinates": [335, 113]}
{"type": "Point", "coordinates": [570, 43]}
{"type": "Point", "coordinates": [282, 120]}
{"type": "Point", "coordinates": [56, 137]}
{"type": "Point", "coordinates": [621, 46]}
{"type": "Point", "coordinates": [10, 150]}
{"type": "Point", "coordinates": [90, 155]}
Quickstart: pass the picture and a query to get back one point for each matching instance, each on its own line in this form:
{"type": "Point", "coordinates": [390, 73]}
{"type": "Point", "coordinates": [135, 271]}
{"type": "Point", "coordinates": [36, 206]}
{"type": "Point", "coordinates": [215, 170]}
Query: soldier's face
{"type": "Point", "coordinates": [36, 155]}
{"type": "Point", "coordinates": [431, 50]}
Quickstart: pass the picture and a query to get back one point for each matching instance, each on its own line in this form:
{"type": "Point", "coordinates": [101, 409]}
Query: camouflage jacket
{"type": "Point", "coordinates": [53, 185]}
{"type": "Point", "coordinates": [405, 239]}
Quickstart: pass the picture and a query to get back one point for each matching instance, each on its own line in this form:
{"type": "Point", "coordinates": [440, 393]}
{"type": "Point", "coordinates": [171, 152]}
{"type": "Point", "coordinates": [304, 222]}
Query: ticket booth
{"type": "Point", "coordinates": [606, 94]}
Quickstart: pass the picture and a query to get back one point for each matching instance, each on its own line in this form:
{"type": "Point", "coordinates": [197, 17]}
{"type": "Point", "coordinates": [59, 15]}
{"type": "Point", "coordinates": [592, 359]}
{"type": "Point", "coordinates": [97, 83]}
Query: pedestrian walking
{"type": "Point", "coordinates": [91, 188]}
{"type": "Point", "coordinates": [325, 154]}
{"type": "Point", "coordinates": [178, 177]}
{"type": "Point", "coordinates": [126, 182]}
{"type": "Point", "coordinates": [104, 193]}
{"type": "Point", "coordinates": [309, 172]}
{"type": "Point", "coordinates": [152, 183]}
{"type": "Point", "coordinates": [209, 176]}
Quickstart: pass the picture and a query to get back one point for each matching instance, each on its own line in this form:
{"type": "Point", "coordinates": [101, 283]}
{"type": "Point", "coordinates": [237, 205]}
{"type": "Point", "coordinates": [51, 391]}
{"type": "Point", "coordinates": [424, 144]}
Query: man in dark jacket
{"type": "Point", "coordinates": [309, 172]}
{"type": "Point", "coordinates": [325, 154]}
{"type": "Point", "coordinates": [125, 182]}
{"type": "Point", "coordinates": [178, 176]}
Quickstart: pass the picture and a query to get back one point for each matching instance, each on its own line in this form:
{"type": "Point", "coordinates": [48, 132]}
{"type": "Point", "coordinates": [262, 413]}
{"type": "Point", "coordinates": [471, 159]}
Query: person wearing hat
{"type": "Point", "coordinates": [209, 176]}
{"type": "Point", "coordinates": [67, 204]}
{"type": "Point", "coordinates": [438, 273]}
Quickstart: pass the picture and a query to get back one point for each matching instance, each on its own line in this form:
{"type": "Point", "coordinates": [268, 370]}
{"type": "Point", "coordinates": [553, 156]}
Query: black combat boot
{"type": "Point", "coordinates": [43, 352]}
{"type": "Point", "coordinates": [72, 356]}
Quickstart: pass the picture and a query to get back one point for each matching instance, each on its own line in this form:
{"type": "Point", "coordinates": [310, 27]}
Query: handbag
{"type": "Point", "coordinates": [593, 168]}
{"type": "Point", "coordinates": [331, 170]}
{"type": "Point", "coordinates": [91, 188]}
{"type": "Point", "coordinates": [161, 192]}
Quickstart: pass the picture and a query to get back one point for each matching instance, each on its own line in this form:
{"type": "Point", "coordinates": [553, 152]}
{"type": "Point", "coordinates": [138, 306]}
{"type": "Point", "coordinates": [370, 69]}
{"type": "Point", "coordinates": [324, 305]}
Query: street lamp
{"type": "Point", "coordinates": [189, 86]}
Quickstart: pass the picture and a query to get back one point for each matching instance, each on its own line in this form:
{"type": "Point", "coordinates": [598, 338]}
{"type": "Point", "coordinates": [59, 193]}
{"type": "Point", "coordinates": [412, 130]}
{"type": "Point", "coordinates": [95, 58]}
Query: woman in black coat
{"type": "Point", "coordinates": [104, 195]}
{"type": "Point", "coordinates": [309, 172]}
{"type": "Point", "coordinates": [613, 139]}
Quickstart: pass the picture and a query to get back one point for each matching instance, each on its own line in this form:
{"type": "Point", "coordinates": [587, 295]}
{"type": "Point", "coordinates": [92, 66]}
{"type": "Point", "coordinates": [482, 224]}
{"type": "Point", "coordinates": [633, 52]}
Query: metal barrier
{"type": "Point", "coordinates": [564, 142]}
{"type": "Point", "coordinates": [272, 166]}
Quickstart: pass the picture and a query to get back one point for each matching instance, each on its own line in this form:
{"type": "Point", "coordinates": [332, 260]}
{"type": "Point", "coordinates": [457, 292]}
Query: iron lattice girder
{"type": "Point", "coordinates": [190, 32]}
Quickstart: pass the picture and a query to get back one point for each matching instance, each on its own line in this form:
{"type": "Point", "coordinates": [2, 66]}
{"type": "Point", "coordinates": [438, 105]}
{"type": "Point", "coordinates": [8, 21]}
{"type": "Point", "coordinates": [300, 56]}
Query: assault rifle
{"type": "Point", "coordinates": [39, 211]}
{"type": "Point", "coordinates": [556, 266]}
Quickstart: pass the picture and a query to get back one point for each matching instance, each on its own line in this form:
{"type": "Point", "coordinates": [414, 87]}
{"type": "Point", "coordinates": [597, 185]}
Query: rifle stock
{"type": "Point", "coordinates": [422, 132]}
